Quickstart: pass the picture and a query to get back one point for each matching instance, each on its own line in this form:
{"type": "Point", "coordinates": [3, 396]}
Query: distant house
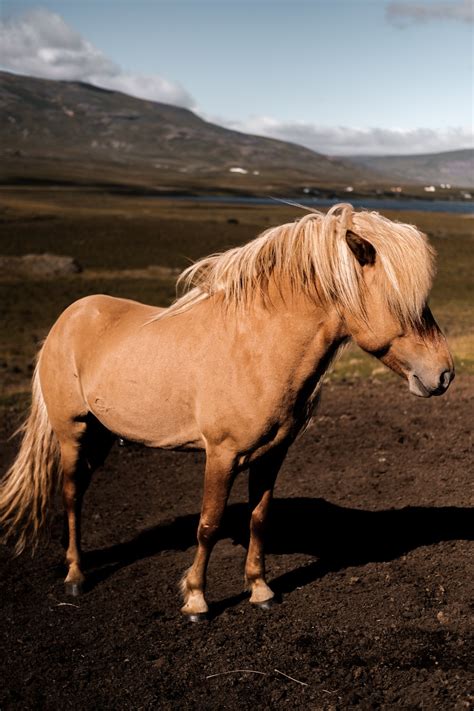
{"type": "Point", "coordinates": [430, 189]}
{"type": "Point", "coordinates": [238, 170]}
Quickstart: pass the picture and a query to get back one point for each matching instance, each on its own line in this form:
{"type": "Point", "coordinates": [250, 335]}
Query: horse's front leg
{"type": "Point", "coordinates": [262, 476]}
{"type": "Point", "coordinates": [218, 480]}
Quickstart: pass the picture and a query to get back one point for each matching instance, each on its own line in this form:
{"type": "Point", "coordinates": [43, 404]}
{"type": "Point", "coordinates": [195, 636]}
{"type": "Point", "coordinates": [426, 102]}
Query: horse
{"type": "Point", "coordinates": [233, 367]}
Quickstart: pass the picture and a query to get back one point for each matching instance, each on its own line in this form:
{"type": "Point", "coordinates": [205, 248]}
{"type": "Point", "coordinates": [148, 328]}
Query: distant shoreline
{"type": "Point", "coordinates": [451, 206]}
{"type": "Point", "coordinates": [319, 197]}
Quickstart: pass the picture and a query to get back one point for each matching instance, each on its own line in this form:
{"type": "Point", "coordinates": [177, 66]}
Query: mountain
{"type": "Point", "coordinates": [452, 167]}
{"type": "Point", "coordinates": [76, 128]}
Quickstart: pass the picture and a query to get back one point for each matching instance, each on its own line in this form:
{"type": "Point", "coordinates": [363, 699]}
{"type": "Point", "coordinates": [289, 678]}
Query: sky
{"type": "Point", "coordinates": [338, 76]}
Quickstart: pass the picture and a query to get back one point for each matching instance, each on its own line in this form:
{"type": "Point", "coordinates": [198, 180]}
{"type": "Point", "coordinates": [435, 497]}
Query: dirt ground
{"type": "Point", "coordinates": [369, 551]}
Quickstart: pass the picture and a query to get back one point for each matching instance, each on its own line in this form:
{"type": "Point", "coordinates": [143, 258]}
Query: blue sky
{"type": "Point", "coordinates": [342, 76]}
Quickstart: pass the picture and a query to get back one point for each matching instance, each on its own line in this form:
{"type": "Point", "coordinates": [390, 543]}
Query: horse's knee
{"type": "Point", "coordinates": [257, 522]}
{"type": "Point", "coordinates": [207, 533]}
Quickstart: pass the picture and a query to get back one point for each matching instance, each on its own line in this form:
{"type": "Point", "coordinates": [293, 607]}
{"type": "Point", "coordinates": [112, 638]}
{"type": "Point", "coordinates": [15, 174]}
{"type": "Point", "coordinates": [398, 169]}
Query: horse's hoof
{"type": "Point", "coordinates": [74, 589]}
{"type": "Point", "coordinates": [198, 617]}
{"type": "Point", "coordinates": [266, 604]}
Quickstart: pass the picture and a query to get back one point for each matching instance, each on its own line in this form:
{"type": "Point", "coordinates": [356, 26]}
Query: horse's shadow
{"type": "Point", "coordinates": [336, 536]}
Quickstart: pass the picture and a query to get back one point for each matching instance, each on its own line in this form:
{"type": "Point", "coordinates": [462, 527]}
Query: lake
{"type": "Point", "coordinates": [452, 206]}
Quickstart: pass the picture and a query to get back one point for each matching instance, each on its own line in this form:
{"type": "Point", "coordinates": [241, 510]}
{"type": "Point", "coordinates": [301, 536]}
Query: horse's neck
{"type": "Point", "coordinates": [302, 336]}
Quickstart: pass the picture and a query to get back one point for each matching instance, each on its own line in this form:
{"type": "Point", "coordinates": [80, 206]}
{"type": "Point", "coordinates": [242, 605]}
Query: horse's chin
{"type": "Point", "coordinates": [417, 387]}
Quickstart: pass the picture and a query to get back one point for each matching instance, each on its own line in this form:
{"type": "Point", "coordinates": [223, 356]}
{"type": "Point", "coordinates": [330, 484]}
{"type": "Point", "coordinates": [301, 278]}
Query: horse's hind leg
{"type": "Point", "coordinates": [262, 476]}
{"type": "Point", "coordinates": [76, 479]}
{"type": "Point", "coordinates": [81, 454]}
{"type": "Point", "coordinates": [218, 480]}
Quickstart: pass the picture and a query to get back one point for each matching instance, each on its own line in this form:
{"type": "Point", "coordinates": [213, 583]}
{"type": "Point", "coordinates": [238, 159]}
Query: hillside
{"type": "Point", "coordinates": [67, 124]}
{"type": "Point", "coordinates": [452, 167]}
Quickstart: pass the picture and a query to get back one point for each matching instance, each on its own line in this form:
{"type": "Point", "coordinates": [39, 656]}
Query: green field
{"type": "Point", "coordinates": [116, 238]}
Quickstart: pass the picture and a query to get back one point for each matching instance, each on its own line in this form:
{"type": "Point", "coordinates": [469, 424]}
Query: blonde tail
{"type": "Point", "coordinates": [29, 485]}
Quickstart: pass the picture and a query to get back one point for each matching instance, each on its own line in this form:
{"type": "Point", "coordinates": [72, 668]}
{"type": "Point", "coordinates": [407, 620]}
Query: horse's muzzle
{"type": "Point", "coordinates": [422, 389]}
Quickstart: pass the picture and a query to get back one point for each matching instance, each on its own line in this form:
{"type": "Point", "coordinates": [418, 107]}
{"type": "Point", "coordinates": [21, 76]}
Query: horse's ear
{"type": "Point", "coordinates": [363, 251]}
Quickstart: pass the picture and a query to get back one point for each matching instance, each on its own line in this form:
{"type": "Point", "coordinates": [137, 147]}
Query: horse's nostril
{"type": "Point", "coordinates": [445, 379]}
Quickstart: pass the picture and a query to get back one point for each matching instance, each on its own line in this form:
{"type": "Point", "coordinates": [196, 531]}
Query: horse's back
{"type": "Point", "coordinates": [105, 309]}
{"type": "Point", "coordinates": [88, 325]}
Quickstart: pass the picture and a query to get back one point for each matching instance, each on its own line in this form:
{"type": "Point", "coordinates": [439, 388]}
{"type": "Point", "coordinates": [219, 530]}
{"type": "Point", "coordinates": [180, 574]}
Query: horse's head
{"type": "Point", "coordinates": [414, 348]}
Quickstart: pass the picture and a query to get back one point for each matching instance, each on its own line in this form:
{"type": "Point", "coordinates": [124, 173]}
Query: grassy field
{"type": "Point", "coordinates": [116, 238]}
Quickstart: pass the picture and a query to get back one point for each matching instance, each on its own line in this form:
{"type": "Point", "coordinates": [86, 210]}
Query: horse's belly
{"type": "Point", "coordinates": [156, 411]}
{"type": "Point", "coordinates": [161, 426]}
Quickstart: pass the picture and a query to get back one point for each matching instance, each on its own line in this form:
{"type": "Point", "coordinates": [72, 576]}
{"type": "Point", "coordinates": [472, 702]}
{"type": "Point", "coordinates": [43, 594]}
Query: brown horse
{"type": "Point", "coordinates": [233, 367]}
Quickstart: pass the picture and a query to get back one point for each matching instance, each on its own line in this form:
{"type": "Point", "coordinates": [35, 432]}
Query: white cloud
{"type": "Point", "coordinates": [402, 13]}
{"type": "Point", "coordinates": [343, 140]}
{"type": "Point", "coordinates": [40, 43]}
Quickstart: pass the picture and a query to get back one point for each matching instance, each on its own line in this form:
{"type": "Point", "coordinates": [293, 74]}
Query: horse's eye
{"type": "Point", "coordinates": [380, 352]}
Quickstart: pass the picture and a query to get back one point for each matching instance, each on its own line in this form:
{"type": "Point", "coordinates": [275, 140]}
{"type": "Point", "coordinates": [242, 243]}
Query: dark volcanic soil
{"type": "Point", "coordinates": [368, 548]}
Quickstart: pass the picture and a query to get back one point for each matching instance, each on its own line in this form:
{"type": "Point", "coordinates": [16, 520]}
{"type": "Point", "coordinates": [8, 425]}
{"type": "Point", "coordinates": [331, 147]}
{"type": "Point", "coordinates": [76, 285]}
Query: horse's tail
{"type": "Point", "coordinates": [29, 485]}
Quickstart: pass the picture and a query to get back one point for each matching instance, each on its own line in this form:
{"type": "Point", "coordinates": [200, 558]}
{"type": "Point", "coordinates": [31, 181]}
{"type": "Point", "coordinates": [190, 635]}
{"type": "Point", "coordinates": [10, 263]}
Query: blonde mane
{"type": "Point", "coordinates": [313, 256]}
